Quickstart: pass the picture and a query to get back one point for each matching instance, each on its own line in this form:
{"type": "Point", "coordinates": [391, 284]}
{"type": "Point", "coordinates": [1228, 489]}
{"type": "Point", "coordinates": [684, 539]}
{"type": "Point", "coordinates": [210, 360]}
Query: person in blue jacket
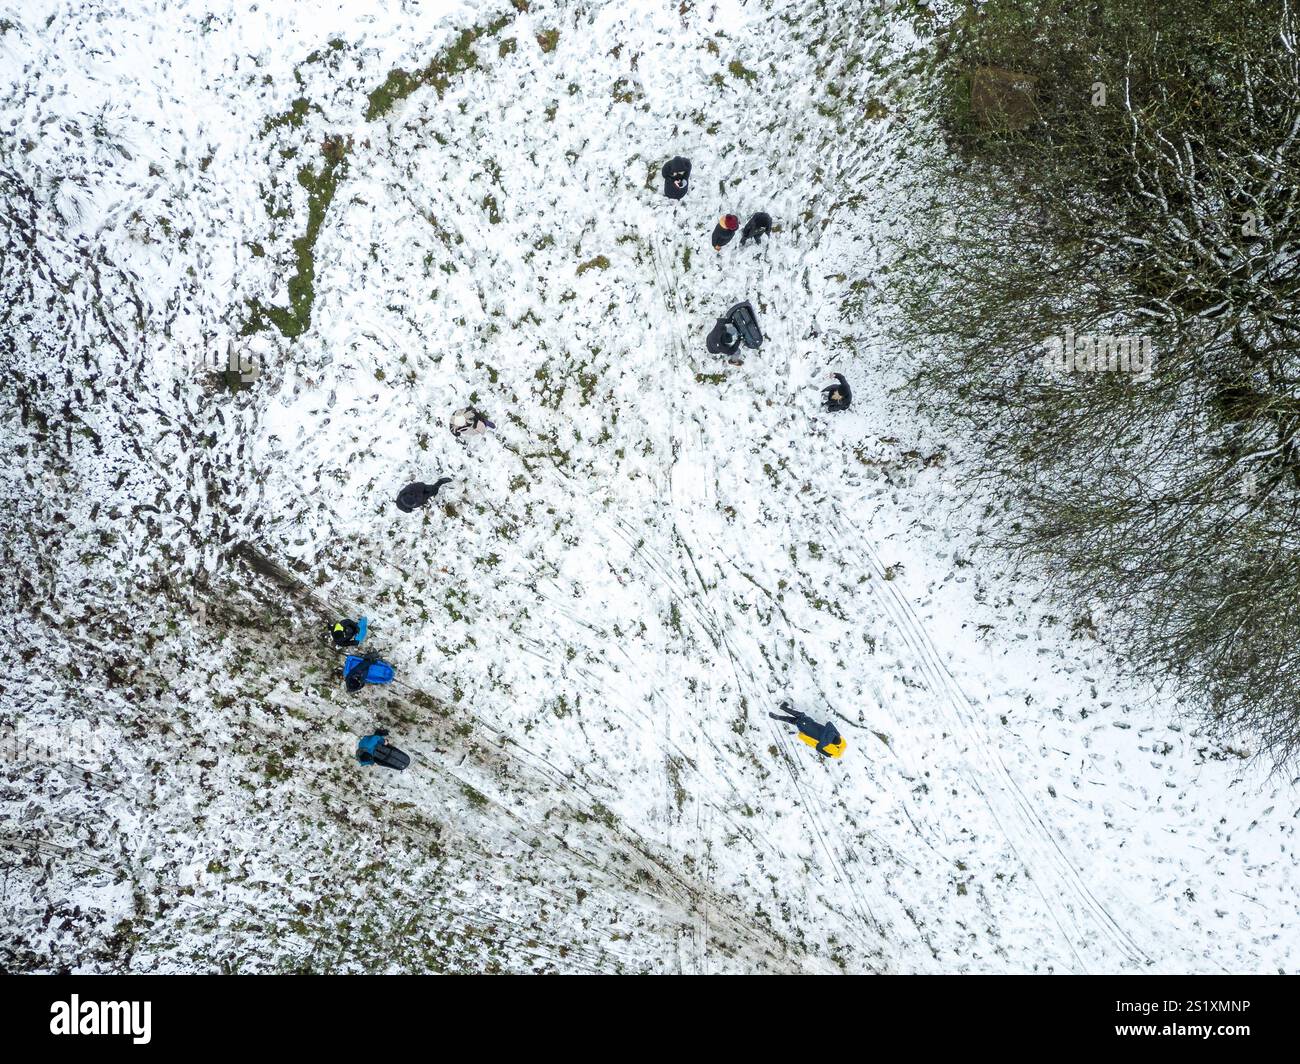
{"type": "Point", "coordinates": [375, 749]}
{"type": "Point", "coordinates": [348, 633]}
{"type": "Point", "coordinates": [824, 737]}
{"type": "Point", "coordinates": [367, 746]}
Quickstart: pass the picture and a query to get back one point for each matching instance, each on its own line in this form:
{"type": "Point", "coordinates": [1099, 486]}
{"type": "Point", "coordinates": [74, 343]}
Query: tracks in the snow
{"type": "Point", "coordinates": [1077, 911]}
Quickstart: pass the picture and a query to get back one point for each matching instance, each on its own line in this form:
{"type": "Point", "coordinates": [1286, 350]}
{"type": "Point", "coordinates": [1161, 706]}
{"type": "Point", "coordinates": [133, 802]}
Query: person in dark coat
{"type": "Point", "coordinates": [348, 633]}
{"type": "Point", "coordinates": [355, 679]}
{"type": "Point", "coordinates": [677, 177]}
{"type": "Point", "coordinates": [758, 226]}
{"type": "Point", "coordinates": [725, 231]}
{"type": "Point", "coordinates": [837, 396]}
{"type": "Point", "coordinates": [824, 737]}
{"type": "Point", "coordinates": [723, 339]}
{"type": "Point", "coordinates": [415, 495]}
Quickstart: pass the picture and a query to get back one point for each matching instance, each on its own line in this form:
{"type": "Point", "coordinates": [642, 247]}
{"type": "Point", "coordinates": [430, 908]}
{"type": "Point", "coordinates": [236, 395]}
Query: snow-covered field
{"type": "Point", "coordinates": [652, 551]}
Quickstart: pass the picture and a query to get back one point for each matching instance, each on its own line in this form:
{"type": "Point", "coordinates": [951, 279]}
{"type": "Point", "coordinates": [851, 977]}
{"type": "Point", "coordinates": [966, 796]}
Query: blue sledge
{"type": "Point", "coordinates": [376, 671]}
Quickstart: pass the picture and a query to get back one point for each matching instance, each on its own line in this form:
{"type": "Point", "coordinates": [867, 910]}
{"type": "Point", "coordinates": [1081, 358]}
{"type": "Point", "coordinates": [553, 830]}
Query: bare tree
{"type": "Point", "coordinates": [1132, 172]}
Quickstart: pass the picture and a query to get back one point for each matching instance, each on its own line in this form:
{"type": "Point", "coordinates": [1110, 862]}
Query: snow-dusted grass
{"type": "Point", "coordinates": [621, 583]}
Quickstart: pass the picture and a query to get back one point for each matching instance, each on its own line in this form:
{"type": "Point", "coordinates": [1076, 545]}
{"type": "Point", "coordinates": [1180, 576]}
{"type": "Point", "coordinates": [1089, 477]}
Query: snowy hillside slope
{"type": "Point", "coordinates": [654, 549]}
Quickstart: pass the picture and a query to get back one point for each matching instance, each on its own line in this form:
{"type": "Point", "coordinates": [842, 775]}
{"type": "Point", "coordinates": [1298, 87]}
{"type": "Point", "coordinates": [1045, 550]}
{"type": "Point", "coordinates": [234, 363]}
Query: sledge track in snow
{"type": "Point", "coordinates": [1029, 837]}
{"type": "Point", "coordinates": [680, 890]}
{"type": "Point", "coordinates": [837, 864]}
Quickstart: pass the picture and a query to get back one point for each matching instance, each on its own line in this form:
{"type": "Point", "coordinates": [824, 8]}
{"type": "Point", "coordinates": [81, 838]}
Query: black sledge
{"type": "Point", "coordinates": [390, 757]}
{"type": "Point", "coordinates": [745, 321]}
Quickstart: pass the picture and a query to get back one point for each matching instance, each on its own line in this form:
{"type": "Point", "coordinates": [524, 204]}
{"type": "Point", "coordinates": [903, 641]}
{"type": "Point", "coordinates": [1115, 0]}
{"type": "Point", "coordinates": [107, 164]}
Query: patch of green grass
{"type": "Point", "coordinates": [548, 39]}
{"type": "Point", "coordinates": [292, 118]}
{"type": "Point", "coordinates": [600, 262]}
{"type": "Point", "coordinates": [741, 72]}
{"type": "Point", "coordinates": [455, 59]}
{"type": "Point", "coordinates": [321, 186]}
{"type": "Point", "coordinates": [675, 618]}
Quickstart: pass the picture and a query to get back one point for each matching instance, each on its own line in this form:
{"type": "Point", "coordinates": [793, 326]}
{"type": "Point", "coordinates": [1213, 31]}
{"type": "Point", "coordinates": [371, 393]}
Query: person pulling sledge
{"type": "Point", "coordinates": [758, 226]}
{"type": "Point", "coordinates": [724, 232]}
{"type": "Point", "coordinates": [824, 738]}
{"type": "Point", "coordinates": [837, 396]}
{"type": "Point", "coordinates": [374, 749]}
{"type": "Point", "coordinates": [415, 495]}
{"type": "Point", "coordinates": [677, 177]}
{"type": "Point", "coordinates": [348, 633]}
{"type": "Point", "coordinates": [469, 422]}
{"type": "Point", "coordinates": [365, 669]}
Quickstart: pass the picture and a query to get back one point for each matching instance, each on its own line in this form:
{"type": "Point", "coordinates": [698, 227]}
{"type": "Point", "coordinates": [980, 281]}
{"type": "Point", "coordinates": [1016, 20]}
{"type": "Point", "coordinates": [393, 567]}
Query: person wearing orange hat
{"type": "Point", "coordinates": [725, 231]}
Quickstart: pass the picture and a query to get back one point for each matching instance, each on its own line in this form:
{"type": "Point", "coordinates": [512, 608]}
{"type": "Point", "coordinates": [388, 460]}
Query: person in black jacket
{"type": "Point", "coordinates": [828, 741]}
{"type": "Point", "coordinates": [348, 633]}
{"type": "Point", "coordinates": [725, 231]}
{"type": "Point", "coordinates": [415, 495]}
{"type": "Point", "coordinates": [677, 177]}
{"type": "Point", "coordinates": [723, 339]}
{"type": "Point", "coordinates": [355, 678]}
{"type": "Point", "coordinates": [837, 396]}
{"type": "Point", "coordinates": [758, 226]}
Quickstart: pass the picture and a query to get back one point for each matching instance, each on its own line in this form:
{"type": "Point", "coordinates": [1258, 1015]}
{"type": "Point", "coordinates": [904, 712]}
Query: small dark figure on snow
{"type": "Point", "coordinates": [837, 396]}
{"type": "Point", "coordinates": [469, 422]}
{"type": "Point", "coordinates": [348, 633]}
{"type": "Point", "coordinates": [723, 339]}
{"type": "Point", "coordinates": [825, 738]}
{"type": "Point", "coordinates": [738, 326]}
{"type": "Point", "coordinates": [415, 495]}
{"type": "Point", "coordinates": [725, 231]}
{"type": "Point", "coordinates": [758, 226]}
{"type": "Point", "coordinates": [375, 749]}
{"type": "Point", "coordinates": [677, 177]}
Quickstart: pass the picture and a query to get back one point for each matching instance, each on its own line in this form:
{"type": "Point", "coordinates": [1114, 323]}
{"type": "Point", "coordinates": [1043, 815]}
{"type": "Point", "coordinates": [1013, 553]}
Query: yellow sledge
{"type": "Point", "coordinates": [834, 749]}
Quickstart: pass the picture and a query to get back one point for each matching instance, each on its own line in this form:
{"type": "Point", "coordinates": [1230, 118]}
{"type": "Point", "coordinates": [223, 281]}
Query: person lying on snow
{"type": "Point", "coordinates": [837, 396]}
{"type": "Point", "coordinates": [469, 422]}
{"type": "Point", "coordinates": [415, 495]}
{"type": "Point", "coordinates": [677, 177]}
{"type": "Point", "coordinates": [348, 633]}
{"type": "Point", "coordinates": [824, 737]}
{"type": "Point", "coordinates": [725, 231]}
{"type": "Point", "coordinates": [758, 226]}
{"type": "Point", "coordinates": [375, 750]}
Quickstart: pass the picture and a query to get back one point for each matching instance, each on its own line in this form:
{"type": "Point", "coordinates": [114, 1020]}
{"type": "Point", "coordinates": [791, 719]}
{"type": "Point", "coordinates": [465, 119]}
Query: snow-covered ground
{"type": "Point", "coordinates": [652, 551]}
